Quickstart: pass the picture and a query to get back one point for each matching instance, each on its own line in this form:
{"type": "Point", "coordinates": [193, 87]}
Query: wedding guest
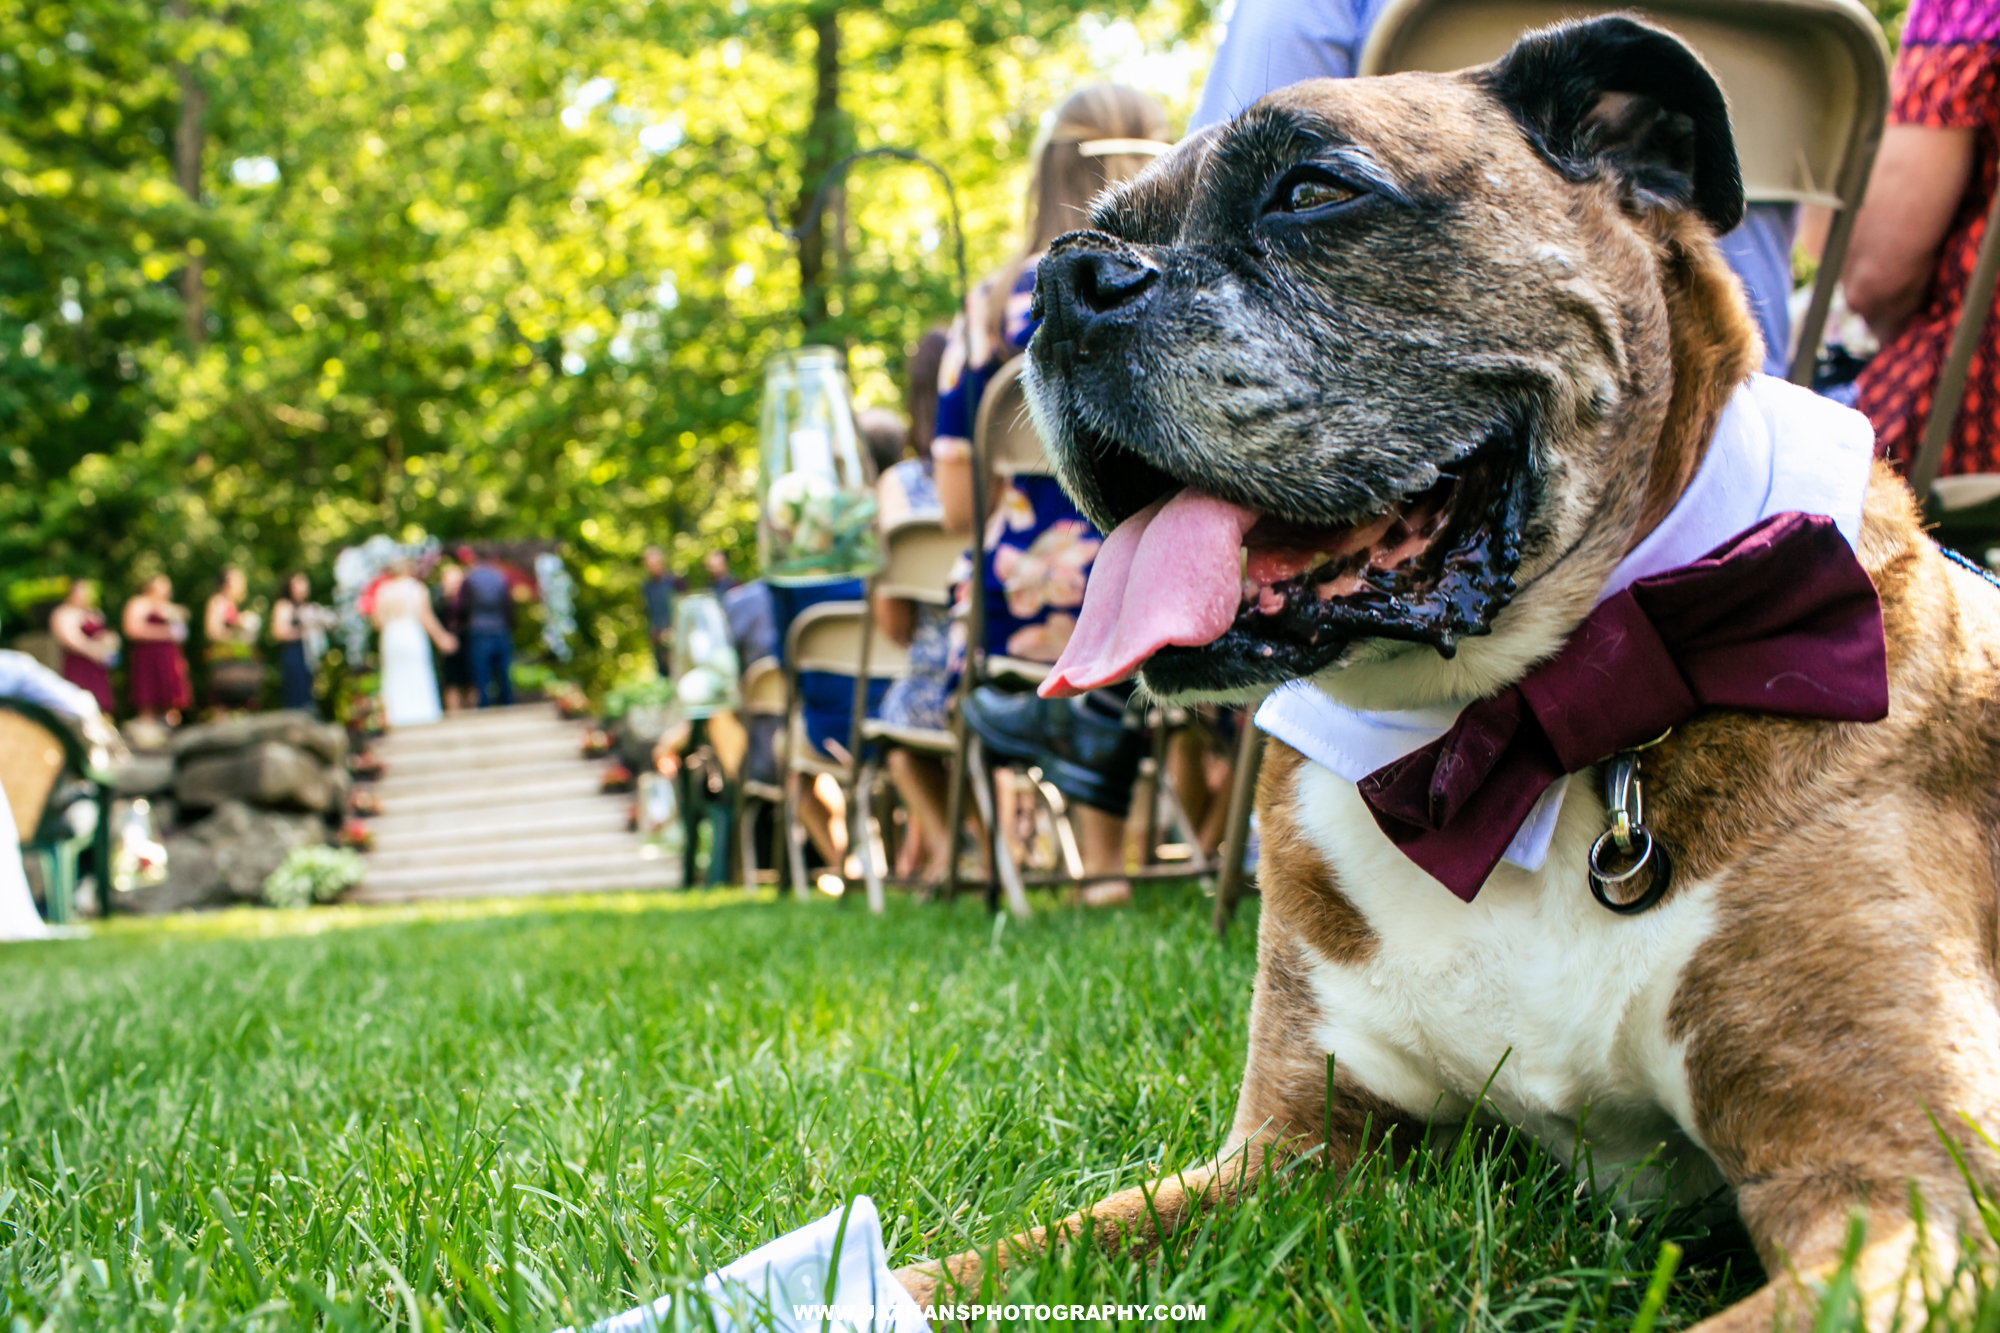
{"type": "Point", "coordinates": [921, 698]}
{"type": "Point", "coordinates": [487, 604]}
{"type": "Point", "coordinates": [454, 667]}
{"type": "Point", "coordinates": [1917, 236]}
{"type": "Point", "coordinates": [720, 580]}
{"type": "Point", "coordinates": [290, 629]}
{"type": "Point", "coordinates": [156, 628]}
{"type": "Point", "coordinates": [89, 644]}
{"type": "Point", "coordinates": [658, 588]}
{"type": "Point", "coordinates": [234, 674]}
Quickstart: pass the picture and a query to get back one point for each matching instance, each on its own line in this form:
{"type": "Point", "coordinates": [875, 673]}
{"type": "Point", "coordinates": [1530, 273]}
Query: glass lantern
{"type": "Point", "coordinates": [704, 661]}
{"type": "Point", "coordinates": [816, 503]}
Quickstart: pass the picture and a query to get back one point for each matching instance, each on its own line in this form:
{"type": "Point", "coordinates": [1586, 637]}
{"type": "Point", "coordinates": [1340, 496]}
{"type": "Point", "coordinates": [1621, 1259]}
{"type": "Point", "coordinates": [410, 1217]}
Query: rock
{"type": "Point", "coordinates": [191, 882]}
{"type": "Point", "coordinates": [225, 859]}
{"type": "Point", "coordinates": [148, 737]}
{"type": "Point", "coordinates": [143, 775]}
{"type": "Point", "coordinates": [270, 774]}
{"type": "Point", "coordinates": [292, 728]}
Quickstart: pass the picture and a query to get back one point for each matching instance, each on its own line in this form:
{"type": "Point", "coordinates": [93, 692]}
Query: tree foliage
{"type": "Point", "coordinates": [497, 269]}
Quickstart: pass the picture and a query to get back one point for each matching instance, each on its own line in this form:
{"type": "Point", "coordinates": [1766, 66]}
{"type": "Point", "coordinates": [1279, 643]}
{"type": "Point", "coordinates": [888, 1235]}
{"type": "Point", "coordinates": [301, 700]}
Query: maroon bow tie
{"type": "Point", "coordinates": [1781, 618]}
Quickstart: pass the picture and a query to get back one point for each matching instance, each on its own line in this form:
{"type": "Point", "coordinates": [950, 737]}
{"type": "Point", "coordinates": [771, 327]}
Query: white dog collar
{"type": "Point", "coordinates": [1777, 449]}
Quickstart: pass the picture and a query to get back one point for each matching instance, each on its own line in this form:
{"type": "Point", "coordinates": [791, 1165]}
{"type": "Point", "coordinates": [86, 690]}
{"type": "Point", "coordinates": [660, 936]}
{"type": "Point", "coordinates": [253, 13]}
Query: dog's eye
{"type": "Point", "coordinates": [1308, 195]}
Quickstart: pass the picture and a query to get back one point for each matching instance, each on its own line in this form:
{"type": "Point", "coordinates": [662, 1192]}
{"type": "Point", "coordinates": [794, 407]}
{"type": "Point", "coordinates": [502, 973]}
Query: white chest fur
{"type": "Point", "coordinates": [1533, 972]}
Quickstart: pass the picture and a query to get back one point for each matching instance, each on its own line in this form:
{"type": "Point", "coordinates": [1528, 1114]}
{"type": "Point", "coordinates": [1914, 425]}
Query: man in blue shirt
{"type": "Point", "coordinates": [1271, 43]}
{"type": "Point", "coordinates": [486, 609]}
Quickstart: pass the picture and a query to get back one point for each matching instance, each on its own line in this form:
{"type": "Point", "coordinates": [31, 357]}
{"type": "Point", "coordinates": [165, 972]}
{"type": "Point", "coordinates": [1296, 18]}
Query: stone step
{"type": "Point", "coordinates": [543, 749]}
{"type": "Point", "coordinates": [444, 739]}
{"type": "Point", "coordinates": [524, 888]}
{"type": "Point", "coordinates": [470, 792]}
{"type": "Point", "coordinates": [500, 771]}
{"type": "Point", "coordinates": [579, 818]}
{"type": "Point", "coordinates": [506, 846]}
{"type": "Point", "coordinates": [624, 867]}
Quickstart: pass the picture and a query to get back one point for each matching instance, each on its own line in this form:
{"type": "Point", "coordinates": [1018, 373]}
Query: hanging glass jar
{"type": "Point", "coordinates": [816, 503]}
{"type": "Point", "coordinates": [704, 661]}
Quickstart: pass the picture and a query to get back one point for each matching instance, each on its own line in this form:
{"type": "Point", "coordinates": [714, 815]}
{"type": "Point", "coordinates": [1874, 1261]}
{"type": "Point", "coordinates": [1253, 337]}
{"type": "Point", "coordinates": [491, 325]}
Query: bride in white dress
{"type": "Point", "coordinates": [408, 629]}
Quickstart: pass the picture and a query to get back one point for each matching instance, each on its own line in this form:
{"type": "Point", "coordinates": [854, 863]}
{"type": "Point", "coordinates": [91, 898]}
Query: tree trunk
{"type": "Point", "coordinates": [189, 138]}
{"type": "Point", "coordinates": [826, 143]}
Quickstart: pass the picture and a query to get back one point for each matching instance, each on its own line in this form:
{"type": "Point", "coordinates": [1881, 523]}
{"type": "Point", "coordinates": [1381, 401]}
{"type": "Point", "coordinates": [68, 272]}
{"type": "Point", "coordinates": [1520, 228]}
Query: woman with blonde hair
{"type": "Point", "coordinates": [1038, 547]}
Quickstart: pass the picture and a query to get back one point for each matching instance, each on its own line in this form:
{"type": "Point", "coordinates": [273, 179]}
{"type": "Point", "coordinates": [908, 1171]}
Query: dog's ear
{"type": "Point", "coordinates": [1620, 95]}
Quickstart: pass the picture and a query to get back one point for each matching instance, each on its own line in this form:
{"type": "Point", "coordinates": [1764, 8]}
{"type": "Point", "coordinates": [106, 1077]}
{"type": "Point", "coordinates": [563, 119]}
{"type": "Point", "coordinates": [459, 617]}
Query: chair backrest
{"type": "Point", "coordinates": [1003, 434]}
{"type": "Point", "coordinates": [917, 559]}
{"type": "Point", "coordinates": [1807, 83]}
{"type": "Point", "coordinates": [35, 751]}
{"type": "Point", "coordinates": [828, 637]}
{"type": "Point", "coordinates": [764, 688]}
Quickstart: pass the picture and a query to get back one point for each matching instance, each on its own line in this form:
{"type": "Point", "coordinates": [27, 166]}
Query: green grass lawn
{"type": "Point", "coordinates": [531, 1114]}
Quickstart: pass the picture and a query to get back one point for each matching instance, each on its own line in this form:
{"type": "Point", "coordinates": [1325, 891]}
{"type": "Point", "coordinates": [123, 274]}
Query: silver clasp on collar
{"type": "Point", "coordinates": [1627, 850]}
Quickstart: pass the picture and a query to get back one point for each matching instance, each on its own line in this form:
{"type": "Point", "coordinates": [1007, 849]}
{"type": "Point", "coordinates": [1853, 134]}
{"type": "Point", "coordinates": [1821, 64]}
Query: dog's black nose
{"type": "Point", "coordinates": [1102, 283]}
{"type": "Point", "coordinates": [1082, 284]}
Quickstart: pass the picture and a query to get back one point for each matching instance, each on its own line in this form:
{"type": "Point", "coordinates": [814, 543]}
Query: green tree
{"type": "Point", "coordinates": [496, 269]}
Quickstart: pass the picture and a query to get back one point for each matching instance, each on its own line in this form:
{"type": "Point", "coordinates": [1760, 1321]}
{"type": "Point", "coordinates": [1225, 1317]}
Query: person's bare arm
{"type": "Point", "coordinates": [442, 637]}
{"type": "Point", "coordinates": [1920, 175]}
{"type": "Point", "coordinates": [951, 470]}
{"type": "Point", "coordinates": [284, 622]}
{"type": "Point", "coordinates": [215, 621]}
{"type": "Point", "coordinates": [896, 617]}
{"type": "Point", "coordinates": [66, 627]}
{"type": "Point", "coordinates": [137, 626]}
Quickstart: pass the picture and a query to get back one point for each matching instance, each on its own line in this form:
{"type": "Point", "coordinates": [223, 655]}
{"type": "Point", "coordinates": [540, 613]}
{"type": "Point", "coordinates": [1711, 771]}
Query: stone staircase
{"type": "Point", "coordinates": [499, 803]}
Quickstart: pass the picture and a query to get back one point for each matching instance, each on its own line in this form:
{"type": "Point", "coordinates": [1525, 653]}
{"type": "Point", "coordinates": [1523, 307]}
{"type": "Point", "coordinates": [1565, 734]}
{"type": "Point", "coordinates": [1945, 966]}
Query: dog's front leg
{"type": "Point", "coordinates": [1133, 1219]}
{"type": "Point", "coordinates": [1832, 1076]}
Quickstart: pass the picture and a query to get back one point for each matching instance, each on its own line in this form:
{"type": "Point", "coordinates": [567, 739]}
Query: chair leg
{"type": "Point", "coordinates": [954, 811]}
{"type": "Point", "coordinates": [1006, 880]}
{"type": "Point", "coordinates": [55, 892]}
{"type": "Point", "coordinates": [1177, 817]}
{"type": "Point", "coordinates": [1149, 822]}
{"type": "Point", "coordinates": [861, 832]}
{"type": "Point", "coordinates": [1235, 843]}
{"type": "Point", "coordinates": [795, 840]}
{"type": "Point", "coordinates": [746, 840]}
{"type": "Point", "coordinates": [1072, 855]}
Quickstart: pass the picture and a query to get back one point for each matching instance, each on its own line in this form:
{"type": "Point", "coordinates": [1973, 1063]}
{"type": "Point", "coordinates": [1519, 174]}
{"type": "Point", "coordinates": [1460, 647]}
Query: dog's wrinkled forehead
{"type": "Point", "coordinates": [1420, 140]}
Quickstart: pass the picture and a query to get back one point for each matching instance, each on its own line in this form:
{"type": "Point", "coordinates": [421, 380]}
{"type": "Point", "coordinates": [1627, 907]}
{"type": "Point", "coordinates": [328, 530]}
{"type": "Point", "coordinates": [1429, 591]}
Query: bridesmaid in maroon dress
{"type": "Point", "coordinates": [89, 645]}
{"type": "Point", "coordinates": [155, 628]}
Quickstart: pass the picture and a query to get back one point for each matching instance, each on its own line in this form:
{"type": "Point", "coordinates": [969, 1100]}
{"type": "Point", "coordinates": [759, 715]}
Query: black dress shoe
{"type": "Point", "coordinates": [1010, 724]}
{"type": "Point", "coordinates": [1081, 745]}
{"type": "Point", "coordinates": [1091, 754]}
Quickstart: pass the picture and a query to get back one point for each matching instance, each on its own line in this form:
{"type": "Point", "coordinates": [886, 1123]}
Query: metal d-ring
{"type": "Point", "coordinates": [1625, 803]}
{"type": "Point", "coordinates": [1650, 853]}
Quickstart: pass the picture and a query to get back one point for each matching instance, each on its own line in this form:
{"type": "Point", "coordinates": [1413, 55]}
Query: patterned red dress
{"type": "Point", "coordinates": [1948, 76]}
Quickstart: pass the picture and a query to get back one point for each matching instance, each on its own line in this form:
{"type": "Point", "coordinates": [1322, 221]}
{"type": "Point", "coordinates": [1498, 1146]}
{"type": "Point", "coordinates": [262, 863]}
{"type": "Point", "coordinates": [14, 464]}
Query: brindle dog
{"type": "Point", "coordinates": [1506, 279]}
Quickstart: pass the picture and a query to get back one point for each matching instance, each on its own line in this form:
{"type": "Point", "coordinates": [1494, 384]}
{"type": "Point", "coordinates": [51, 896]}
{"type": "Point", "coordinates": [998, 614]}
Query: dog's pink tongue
{"type": "Point", "coordinates": [1168, 574]}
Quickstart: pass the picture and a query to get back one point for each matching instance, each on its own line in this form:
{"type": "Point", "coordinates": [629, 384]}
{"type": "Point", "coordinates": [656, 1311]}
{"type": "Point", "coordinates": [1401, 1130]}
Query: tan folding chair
{"type": "Point", "coordinates": [1807, 83]}
{"type": "Point", "coordinates": [830, 637]}
{"type": "Point", "coordinates": [40, 756]}
{"type": "Point", "coordinates": [764, 696]}
{"type": "Point", "coordinates": [917, 560]}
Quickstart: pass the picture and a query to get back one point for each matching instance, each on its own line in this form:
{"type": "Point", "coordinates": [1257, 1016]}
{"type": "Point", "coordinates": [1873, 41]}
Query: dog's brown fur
{"type": "Point", "coordinates": [1842, 1019]}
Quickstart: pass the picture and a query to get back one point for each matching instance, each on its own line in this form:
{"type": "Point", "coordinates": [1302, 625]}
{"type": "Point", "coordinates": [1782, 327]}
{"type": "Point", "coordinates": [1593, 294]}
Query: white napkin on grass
{"type": "Point", "coordinates": [782, 1286]}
